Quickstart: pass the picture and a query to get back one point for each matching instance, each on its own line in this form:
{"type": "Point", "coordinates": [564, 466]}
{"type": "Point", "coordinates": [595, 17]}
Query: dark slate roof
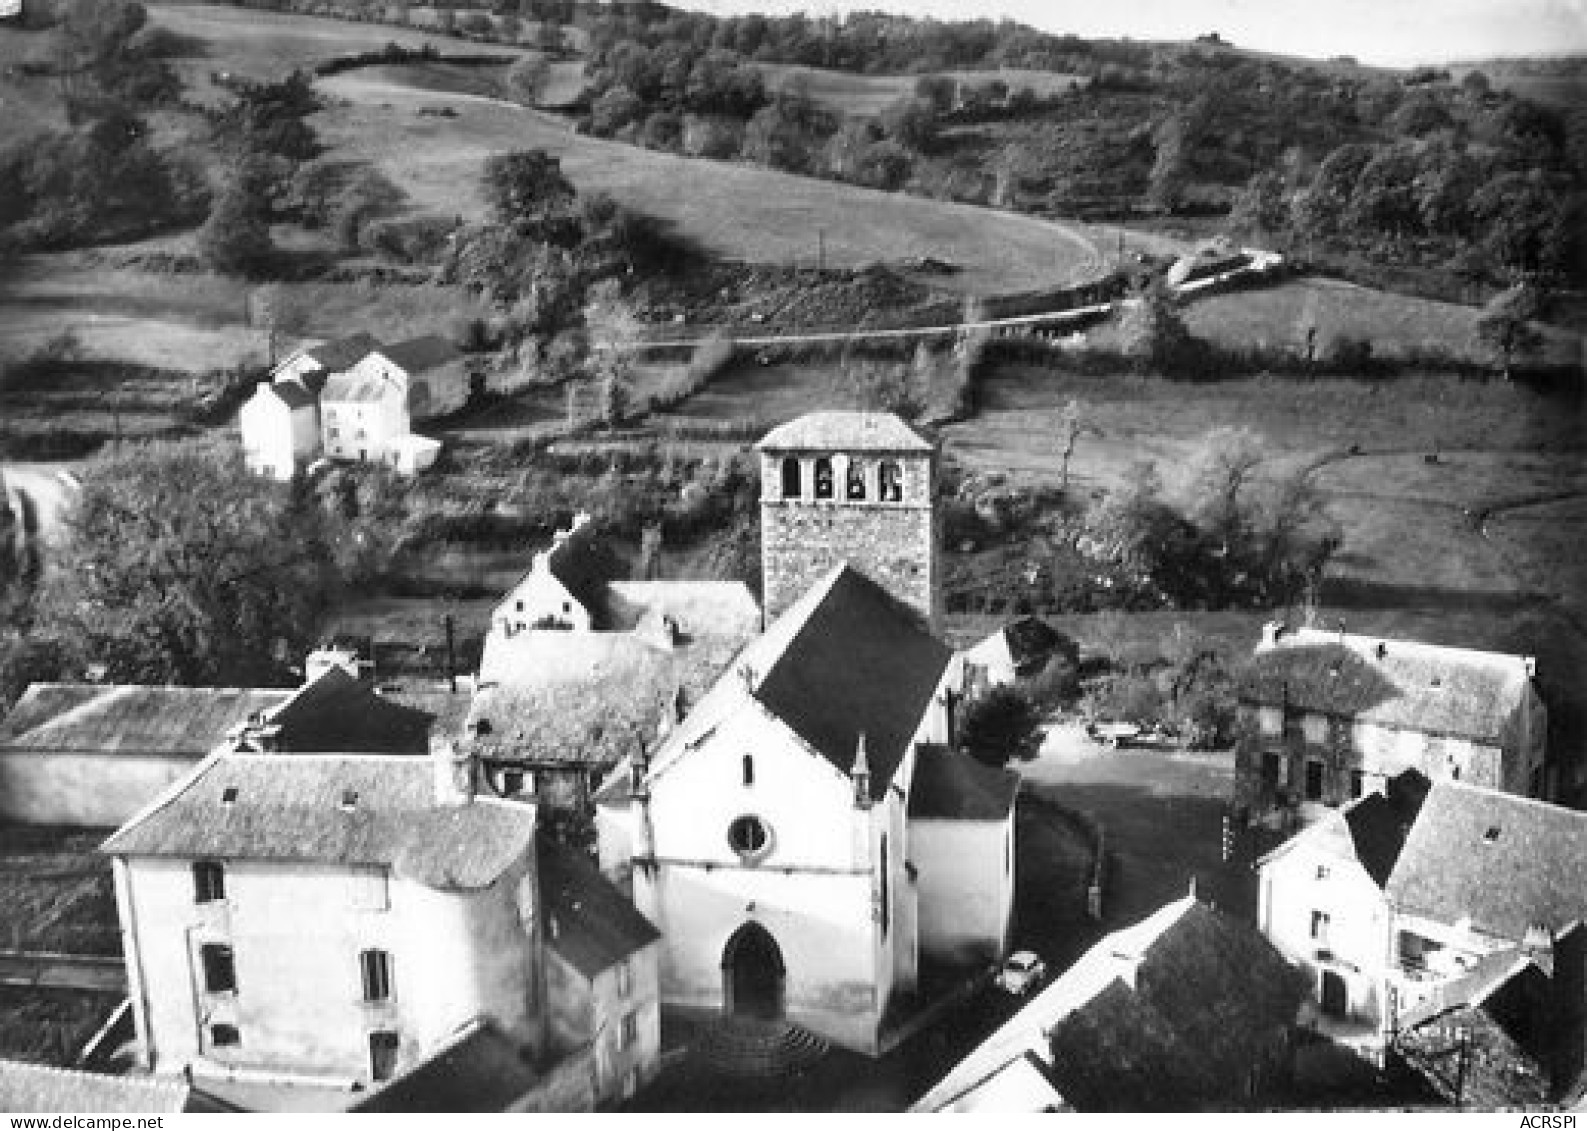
{"type": "Point", "coordinates": [39, 1088]}
{"type": "Point", "coordinates": [1445, 691]}
{"type": "Point", "coordinates": [1505, 862]}
{"type": "Point", "coordinates": [955, 787]}
{"type": "Point", "coordinates": [343, 353]}
{"type": "Point", "coordinates": [480, 1070]}
{"type": "Point", "coordinates": [852, 660]}
{"type": "Point", "coordinates": [292, 808]}
{"type": "Point", "coordinates": [591, 924]}
{"type": "Point", "coordinates": [416, 355]}
{"type": "Point", "coordinates": [337, 713]}
{"type": "Point", "coordinates": [1379, 823]}
{"type": "Point", "coordinates": [294, 394]}
{"type": "Point", "coordinates": [1031, 640]}
{"type": "Point", "coordinates": [584, 565]}
{"type": "Point", "coordinates": [131, 719]}
{"type": "Point", "coordinates": [845, 431]}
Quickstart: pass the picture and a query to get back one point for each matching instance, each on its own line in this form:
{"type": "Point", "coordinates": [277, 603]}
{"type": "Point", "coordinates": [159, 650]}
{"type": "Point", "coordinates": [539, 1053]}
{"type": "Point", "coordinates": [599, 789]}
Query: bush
{"type": "Point", "coordinates": [1001, 725]}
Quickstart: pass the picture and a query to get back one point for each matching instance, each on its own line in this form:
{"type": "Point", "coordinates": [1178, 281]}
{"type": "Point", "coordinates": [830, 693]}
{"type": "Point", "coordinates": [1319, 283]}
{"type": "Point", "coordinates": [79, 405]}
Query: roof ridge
{"type": "Point", "coordinates": [1507, 797]}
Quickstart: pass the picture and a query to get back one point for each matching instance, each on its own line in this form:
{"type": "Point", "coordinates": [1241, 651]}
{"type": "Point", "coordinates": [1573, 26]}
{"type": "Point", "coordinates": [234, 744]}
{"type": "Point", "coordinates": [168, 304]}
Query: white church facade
{"type": "Point", "coordinates": [784, 837]}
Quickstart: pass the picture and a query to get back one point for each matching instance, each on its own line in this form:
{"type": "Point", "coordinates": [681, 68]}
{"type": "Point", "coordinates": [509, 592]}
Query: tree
{"type": "Point", "coordinates": [180, 567]}
{"type": "Point", "coordinates": [1261, 211]}
{"type": "Point", "coordinates": [912, 122]}
{"type": "Point", "coordinates": [1505, 325]}
{"type": "Point", "coordinates": [1220, 469]}
{"type": "Point", "coordinates": [527, 191]}
{"type": "Point", "coordinates": [1155, 337]}
{"type": "Point", "coordinates": [235, 240]}
{"type": "Point", "coordinates": [527, 78]}
{"type": "Point", "coordinates": [1000, 725]}
{"type": "Point", "coordinates": [1071, 426]}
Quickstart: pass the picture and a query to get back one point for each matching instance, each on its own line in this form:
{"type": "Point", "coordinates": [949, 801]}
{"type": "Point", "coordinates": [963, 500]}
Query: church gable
{"type": "Point", "coordinates": [748, 770]}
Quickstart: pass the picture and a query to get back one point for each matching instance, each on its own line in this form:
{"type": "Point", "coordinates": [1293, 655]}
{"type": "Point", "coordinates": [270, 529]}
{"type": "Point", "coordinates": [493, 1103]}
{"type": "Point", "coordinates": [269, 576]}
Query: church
{"type": "Point", "coordinates": [807, 840]}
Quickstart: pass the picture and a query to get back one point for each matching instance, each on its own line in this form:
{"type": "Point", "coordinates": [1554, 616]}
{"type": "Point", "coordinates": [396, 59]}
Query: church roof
{"type": "Point", "coordinates": [847, 659]}
{"type": "Point", "coordinates": [955, 787]}
{"type": "Point", "coordinates": [845, 431]}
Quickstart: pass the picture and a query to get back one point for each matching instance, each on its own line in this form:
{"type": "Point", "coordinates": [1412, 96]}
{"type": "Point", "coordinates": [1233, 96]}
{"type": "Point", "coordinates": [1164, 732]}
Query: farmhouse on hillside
{"type": "Point", "coordinates": [1328, 716]}
{"type": "Point", "coordinates": [808, 845]}
{"type": "Point", "coordinates": [1387, 901]}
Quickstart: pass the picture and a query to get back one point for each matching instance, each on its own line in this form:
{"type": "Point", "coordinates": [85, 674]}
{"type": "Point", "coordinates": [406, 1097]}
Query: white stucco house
{"type": "Point", "coordinates": [1397, 894]}
{"type": "Point", "coordinates": [562, 588]}
{"type": "Point", "coordinates": [428, 369]}
{"type": "Point", "coordinates": [280, 427]}
{"type": "Point", "coordinates": [361, 416]}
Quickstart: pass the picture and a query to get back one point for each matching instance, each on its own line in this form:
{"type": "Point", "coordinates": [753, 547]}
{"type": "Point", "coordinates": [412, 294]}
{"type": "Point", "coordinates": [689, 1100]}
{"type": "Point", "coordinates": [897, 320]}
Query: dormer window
{"type": "Point", "coordinates": [1491, 835]}
{"type": "Point", "coordinates": [854, 486]}
{"type": "Point", "coordinates": [792, 488]}
{"type": "Point", "coordinates": [823, 478]}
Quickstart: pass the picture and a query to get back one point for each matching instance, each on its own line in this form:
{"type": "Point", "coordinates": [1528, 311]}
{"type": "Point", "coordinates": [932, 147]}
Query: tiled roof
{"type": "Point", "coordinates": [39, 1088]}
{"type": "Point", "coordinates": [343, 353]}
{"type": "Point", "coordinates": [1504, 862]}
{"type": "Point", "coordinates": [848, 658]}
{"type": "Point", "coordinates": [351, 388]}
{"type": "Point", "coordinates": [332, 809]}
{"type": "Point", "coordinates": [845, 431]}
{"type": "Point", "coordinates": [130, 719]}
{"type": "Point", "coordinates": [588, 697]}
{"type": "Point", "coordinates": [1184, 989]}
{"type": "Point", "coordinates": [1445, 691]}
{"type": "Point", "coordinates": [416, 355]}
{"type": "Point", "coordinates": [1031, 639]}
{"type": "Point", "coordinates": [591, 924]}
{"type": "Point", "coordinates": [955, 787]}
{"type": "Point", "coordinates": [481, 1069]}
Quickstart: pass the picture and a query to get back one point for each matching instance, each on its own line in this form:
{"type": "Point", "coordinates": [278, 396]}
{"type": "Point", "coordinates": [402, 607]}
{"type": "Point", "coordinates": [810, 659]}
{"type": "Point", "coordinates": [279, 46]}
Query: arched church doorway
{"type": "Point", "coordinates": [752, 973]}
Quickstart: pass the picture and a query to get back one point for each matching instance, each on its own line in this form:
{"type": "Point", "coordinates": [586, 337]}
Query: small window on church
{"type": "Point", "coordinates": [823, 478]}
{"type": "Point", "coordinates": [749, 769]}
{"type": "Point", "coordinates": [855, 485]}
{"type": "Point", "coordinates": [750, 838]}
{"type": "Point", "coordinates": [892, 482]}
{"type": "Point", "coordinates": [791, 487]}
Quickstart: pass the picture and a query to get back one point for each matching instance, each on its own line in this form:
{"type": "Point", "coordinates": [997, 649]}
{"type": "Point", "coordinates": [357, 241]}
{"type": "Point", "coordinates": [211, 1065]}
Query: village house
{"type": "Point", "coordinates": [562, 588]}
{"type": "Point", "coordinates": [1186, 1010]}
{"type": "Point", "coordinates": [361, 415]}
{"type": "Point", "coordinates": [312, 365]}
{"type": "Point", "coordinates": [1018, 650]}
{"type": "Point", "coordinates": [1387, 900]}
{"type": "Point", "coordinates": [1328, 716]}
{"type": "Point", "coordinates": [92, 754]}
{"type": "Point", "coordinates": [428, 369]}
{"type": "Point", "coordinates": [330, 917]}
{"type": "Point", "coordinates": [280, 423]}
{"type": "Point", "coordinates": [603, 973]}
{"type": "Point", "coordinates": [804, 836]}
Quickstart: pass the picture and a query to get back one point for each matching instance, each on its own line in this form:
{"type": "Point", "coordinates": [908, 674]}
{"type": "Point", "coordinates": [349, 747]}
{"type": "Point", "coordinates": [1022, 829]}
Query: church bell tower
{"type": "Point", "coordinates": [854, 487]}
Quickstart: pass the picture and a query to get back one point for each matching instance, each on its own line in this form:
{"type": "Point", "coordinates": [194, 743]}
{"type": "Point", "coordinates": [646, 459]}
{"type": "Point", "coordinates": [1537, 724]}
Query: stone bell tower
{"type": "Point", "coordinates": [854, 487]}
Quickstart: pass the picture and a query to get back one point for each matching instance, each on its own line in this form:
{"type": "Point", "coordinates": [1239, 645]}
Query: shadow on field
{"type": "Point", "coordinates": [1356, 593]}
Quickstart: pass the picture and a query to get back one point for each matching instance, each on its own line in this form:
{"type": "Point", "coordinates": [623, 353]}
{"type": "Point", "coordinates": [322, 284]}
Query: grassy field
{"type": "Point", "coordinates": [29, 104]}
{"type": "Point", "coordinates": [57, 893]}
{"type": "Point", "coordinates": [866, 95]}
{"type": "Point", "coordinates": [738, 211]}
{"type": "Point", "coordinates": [1394, 324]}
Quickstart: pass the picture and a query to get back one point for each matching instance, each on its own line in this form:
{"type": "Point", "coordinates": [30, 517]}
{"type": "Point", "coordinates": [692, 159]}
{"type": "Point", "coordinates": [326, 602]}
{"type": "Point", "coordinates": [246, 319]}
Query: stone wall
{"type": "Point", "coordinates": [894, 545]}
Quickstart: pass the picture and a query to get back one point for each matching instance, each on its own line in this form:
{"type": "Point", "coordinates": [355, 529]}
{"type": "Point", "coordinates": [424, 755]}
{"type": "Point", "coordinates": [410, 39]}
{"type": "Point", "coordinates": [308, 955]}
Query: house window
{"type": "Point", "coordinates": [224, 1036]}
{"type": "Point", "coordinates": [382, 1055]}
{"type": "Point", "coordinates": [749, 837]}
{"type": "Point", "coordinates": [1322, 871]}
{"type": "Point", "coordinates": [1319, 927]}
{"type": "Point", "coordinates": [625, 979]}
{"type": "Point", "coordinates": [887, 903]}
{"type": "Point", "coordinates": [375, 966]}
{"type": "Point", "coordinates": [892, 482]}
{"type": "Point", "coordinates": [1314, 780]}
{"type": "Point", "coordinates": [791, 487]}
{"type": "Point", "coordinates": [749, 769]}
{"type": "Point", "coordinates": [209, 882]}
{"type": "Point", "coordinates": [335, 433]}
{"type": "Point", "coordinates": [823, 478]}
{"type": "Point", "coordinates": [512, 782]}
{"type": "Point", "coordinates": [628, 1034]}
{"type": "Point", "coordinates": [1358, 783]}
{"type": "Point", "coordinates": [1270, 769]}
{"type": "Point", "coordinates": [220, 969]}
{"type": "Point", "coordinates": [854, 481]}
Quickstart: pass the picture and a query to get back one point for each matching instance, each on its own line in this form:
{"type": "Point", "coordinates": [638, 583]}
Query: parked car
{"type": "Point", "coordinates": [1020, 973]}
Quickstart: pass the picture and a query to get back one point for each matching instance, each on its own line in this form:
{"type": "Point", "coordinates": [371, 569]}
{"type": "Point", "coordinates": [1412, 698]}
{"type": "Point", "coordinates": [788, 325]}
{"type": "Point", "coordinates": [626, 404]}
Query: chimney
{"type": "Point", "coordinates": [1538, 945]}
{"type": "Point", "coordinates": [861, 773]}
{"type": "Point", "coordinates": [453, 772]}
